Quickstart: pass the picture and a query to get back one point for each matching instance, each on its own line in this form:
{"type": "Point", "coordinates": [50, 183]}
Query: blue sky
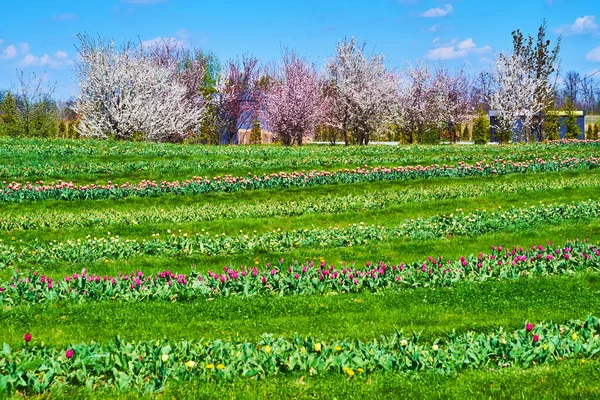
{"type": "Point", "coordinates": [40, 36]}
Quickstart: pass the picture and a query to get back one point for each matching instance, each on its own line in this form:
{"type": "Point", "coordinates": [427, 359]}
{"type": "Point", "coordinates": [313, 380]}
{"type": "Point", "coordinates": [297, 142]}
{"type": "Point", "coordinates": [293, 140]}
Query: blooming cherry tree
{"type": "Point", "coordinates": [415, 105]}
{"type": "Point", "coordinates": [124, 94]}
{"type": "Point", "coordinates": [450, 100]}
{"type": "Point", "coordinates": [293, 102]}
{"type": "Point", "coordinates": [514, 96]}
{"type": "Point", "coordinates": [362, 94]}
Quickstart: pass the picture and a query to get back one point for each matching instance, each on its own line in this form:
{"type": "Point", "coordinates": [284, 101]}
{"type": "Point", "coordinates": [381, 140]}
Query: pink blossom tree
{"type": "Point", "coordinates": [293, 103]}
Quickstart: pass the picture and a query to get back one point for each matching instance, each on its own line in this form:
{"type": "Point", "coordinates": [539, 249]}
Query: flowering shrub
{"type": "Point", "coordinates": [149, 365]}
{"type": "Point", "coordinates": [114, 247]}
{"type": "Point", "coordinates": [303, 278]}
{"type": "Point", "coordinates": [319, 204]}
{"type": "Point", "coordinates": [17, 192]}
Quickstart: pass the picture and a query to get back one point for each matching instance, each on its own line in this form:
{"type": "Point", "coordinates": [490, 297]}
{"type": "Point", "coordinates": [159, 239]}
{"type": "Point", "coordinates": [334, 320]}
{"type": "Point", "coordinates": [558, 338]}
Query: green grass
{"type": "Point", "coordinates": [433, 312]}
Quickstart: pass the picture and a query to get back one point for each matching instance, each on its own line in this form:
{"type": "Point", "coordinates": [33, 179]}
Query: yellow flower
{"type": "Point", "coordinates": [190, 364]}
{"type": "Point", "coordinates": [165, 357]}
{"type": "Point", "coordinates": [210, 366]}
{"type": "Point", "coordinates": [360, 370]}
{"type": "Point", "coordinates": [404, 342]}
{"type": "Point", "coordinates": [338, 348]}
{"type": "Point", "coordinates": [574, 337]}
{"type": "Point", "coordinates": [372, 352]}
{"type": "Point", "coordinates": [350, 372]}
{"type": "Point", "coordinates": [317, 347]}
{"type": "Point", "coordinates": [256, 262]}
{"type": "Point", "coordinates": [435, 347]}
{"type": "Point", "coordinates": [267, 349]}
{"type": "Point", "coordinates": [220, 366]}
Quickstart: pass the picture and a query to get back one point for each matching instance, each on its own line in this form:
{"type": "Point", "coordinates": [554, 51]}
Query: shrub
{"type": "Point", "coordinates": [481, 128]}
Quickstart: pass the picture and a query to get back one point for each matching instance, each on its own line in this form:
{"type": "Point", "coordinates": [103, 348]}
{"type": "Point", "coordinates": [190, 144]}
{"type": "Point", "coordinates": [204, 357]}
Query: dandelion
{"type": "Point", "coordinates": [317, 347]}
{"type": "Point", "coordinates": [338, 348]}
{"type": "Point", "coordinates": [190, 364]}
{"type": "Point", "coordinates": [360, 370]}
{"type": "Point", "coordinates": [574, 337]}
{"type": "Point", "coordinates": [267, 349]}
{"type": "Point", "coordinates": [210, 366]}
{"type": "Point", "coordinates": [350, 372]}
{"type": "Point", "coordinates": [220, 366]}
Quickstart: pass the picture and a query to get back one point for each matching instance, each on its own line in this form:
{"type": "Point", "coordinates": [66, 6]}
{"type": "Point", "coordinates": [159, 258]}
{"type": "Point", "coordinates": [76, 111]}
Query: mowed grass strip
{"type": "Point", "coordinates": [432, 312]}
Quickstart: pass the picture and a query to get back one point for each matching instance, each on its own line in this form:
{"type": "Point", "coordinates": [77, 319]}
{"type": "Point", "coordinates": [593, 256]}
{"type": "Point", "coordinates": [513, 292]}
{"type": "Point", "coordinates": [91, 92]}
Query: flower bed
{"type": "Point", "coordinates": [113, 247]}
{"type": "Point", "coordinates": [303, 278]}
{"type": "Point", "coordinates": [149, 365]}
{"type": "Point", "coordinates": [17, 192]}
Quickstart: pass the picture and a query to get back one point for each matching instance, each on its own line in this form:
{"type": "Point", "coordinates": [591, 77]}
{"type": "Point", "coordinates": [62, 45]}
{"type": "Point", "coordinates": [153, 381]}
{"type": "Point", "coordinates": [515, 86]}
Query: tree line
{"type": "Point", "coordinates": [166, 93]}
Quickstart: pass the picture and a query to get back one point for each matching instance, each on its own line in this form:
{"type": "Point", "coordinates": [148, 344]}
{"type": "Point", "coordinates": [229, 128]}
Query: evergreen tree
{"type": "Point", "coordinates": [572, 129]}
{"type": "Point", "coordinates": [71, 130]}
{"type": "Point", "coordinates": [256, 132]}
{"type": "Point", "coordinates": [596, 130]}
{"type": "Point", "coordinates": [590, 132]}
{"type": "Point", "coordinates": [466, 134]}
{"type": "Point", "coordinates": [62, 129]}
{"type": "Point", "coordinates": [9, 115]}
{"type": "Point", "coordinates": [481, 128]}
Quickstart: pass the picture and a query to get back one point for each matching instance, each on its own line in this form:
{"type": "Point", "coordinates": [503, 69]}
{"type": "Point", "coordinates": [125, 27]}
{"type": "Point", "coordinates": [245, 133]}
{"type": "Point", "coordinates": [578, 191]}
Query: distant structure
{"type": "Point", "coordinates": [518, 128]}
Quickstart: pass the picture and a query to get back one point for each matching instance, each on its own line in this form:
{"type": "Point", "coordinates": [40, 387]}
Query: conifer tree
{"type": "Point", "coordinates": [481, 128]}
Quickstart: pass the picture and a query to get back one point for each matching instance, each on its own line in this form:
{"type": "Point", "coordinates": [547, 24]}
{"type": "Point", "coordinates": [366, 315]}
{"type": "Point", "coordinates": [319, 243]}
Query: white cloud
{"type": "Point", "coordinates": [461, 50]}
{"type": "Point", "coordinates": [57, 60]}
{"type": "Point", "coordinates": [581, 26]}
{"type": "Point", "coordinates": [9, 53]}
{"type": "Point", "coordinates": [593, 55]}
{"type": "Point", "coordinates": [434, 28]}
{"type": "Point", "coordinates": [438, 12]}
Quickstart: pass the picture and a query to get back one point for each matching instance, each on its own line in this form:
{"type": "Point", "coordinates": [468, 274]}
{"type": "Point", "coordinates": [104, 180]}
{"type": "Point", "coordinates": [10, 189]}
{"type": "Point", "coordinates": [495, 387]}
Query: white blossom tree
{"type": "Point", "coordinates": [124, 93]}
{"type": "Point", "coordinates": [451, 100]}
{"type": "Point", "coordinates": [293, 101]}
{"type": "Point", "coordinates": [514, 96]}
{"type": "Point", "coordinates": [363, 92]}
{"type": "Point", "coordinates": [415, 107]}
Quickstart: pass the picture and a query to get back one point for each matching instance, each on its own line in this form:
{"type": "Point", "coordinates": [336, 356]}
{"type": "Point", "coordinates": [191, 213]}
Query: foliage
{"type": "Point", "coordinates": [481, 128]}
{"type": "Point", "coordinates": [17, 192]}
{"type": "Point", "coordinates": [256, 132]}
{"type": "Point", "coordinates": [303, 278]}
{"type": "Point", "coordinates": [572, 130]}
{"type": "Point", "coordinates": [149, 365]}
{"type": "Point", "coordinates": [113, 247]}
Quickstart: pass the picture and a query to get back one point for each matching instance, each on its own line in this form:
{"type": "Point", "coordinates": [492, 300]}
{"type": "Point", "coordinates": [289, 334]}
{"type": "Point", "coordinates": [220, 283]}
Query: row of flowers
{"type": "Point", "coordinates": [114, 247]}
{"type": "Point", "coordinates": [35, 167]}
{"type": "Point", "coordinates": [321, 204]}
{"type": "Point", "coordinates": [30, 148]}
{"type": "Point", "coordinates": [150, 365]}
{"type": "Point", "coordinates": [17, 192]}
{"type": "Point", "coordinates": [303, 278]}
